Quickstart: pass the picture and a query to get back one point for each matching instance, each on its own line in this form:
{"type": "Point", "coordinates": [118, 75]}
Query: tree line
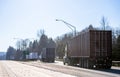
{"type": "Point", "coordinates": [26, 46]}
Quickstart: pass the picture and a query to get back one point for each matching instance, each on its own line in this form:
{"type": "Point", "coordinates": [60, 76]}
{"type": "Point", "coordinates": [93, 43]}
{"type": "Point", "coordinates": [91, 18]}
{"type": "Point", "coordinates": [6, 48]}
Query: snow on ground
{"type": "Point", "coordinates": [22, 70]}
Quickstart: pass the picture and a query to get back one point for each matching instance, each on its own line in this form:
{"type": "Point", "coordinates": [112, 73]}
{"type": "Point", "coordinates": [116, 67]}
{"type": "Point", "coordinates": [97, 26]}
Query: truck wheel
{"type": "Point", "coordinates": [64, 63]}
{"type": "Point", "coordinates": [53, 61]}
{"type": "Point", "coordinates": [108, 67]}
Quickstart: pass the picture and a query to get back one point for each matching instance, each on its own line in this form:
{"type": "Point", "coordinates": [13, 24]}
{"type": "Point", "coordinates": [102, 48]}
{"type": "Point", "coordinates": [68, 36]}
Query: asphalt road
{"type": "Point", "coordinates": [75, 71]}
{"type": "Point", "coordinates": [113, 70]}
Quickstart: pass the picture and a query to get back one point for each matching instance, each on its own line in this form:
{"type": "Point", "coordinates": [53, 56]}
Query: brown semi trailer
{"type": "Point", "coordinates": [90, 49]}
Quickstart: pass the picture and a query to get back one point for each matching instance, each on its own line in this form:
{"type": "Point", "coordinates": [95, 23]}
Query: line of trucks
{"type": "Point", "coordinates": [89, 49]}
{"type": "Point", "coordinates": [47, 55]}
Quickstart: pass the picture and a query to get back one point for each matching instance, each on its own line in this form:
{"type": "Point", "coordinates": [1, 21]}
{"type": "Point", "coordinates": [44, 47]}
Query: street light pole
{"type": "Point", "coordinates": [69, 25]}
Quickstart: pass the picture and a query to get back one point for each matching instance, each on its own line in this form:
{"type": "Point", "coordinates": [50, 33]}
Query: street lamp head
{"type": "Point", "coordinates": [69, 25]}
{"type": "Point", "coordinates": [59, 20]}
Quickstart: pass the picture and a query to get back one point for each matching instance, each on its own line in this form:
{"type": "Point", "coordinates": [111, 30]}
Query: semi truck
{"type": "Point", "coordinates": [90, 49]}
{"type": "Point", "coordinates": [32, 56]}
{"type": "Point", "coordinates": [47, 55]}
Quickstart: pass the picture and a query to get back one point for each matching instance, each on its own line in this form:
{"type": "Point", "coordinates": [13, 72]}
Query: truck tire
{"type": "Point", "coordinates": [64, 63]}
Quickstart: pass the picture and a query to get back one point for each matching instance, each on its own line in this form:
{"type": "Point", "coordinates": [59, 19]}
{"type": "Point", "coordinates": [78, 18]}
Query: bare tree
{"type": "Point", "coordinates": [117, 32]}
{"type": "Point", "coordinates": [10, 55]}
{"type": "Point", "coordinates": [24, 43]}
{"type": "Point", "coordinates": [61, 43]}
{"type": "Point", "coordinates": [30, 46]}
{"type": "Point", "coordinates": [104, 23]}
{"type": "Point", "coordinates": [40, 32]}
{"type": "Point", "coordinates": [18, 44]}
{"type": "Point", "coordinates": [35, 46]}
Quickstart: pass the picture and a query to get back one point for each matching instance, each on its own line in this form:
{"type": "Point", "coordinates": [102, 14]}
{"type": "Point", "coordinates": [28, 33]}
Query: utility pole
{"type": "Point", "coordinates": [73, 28]}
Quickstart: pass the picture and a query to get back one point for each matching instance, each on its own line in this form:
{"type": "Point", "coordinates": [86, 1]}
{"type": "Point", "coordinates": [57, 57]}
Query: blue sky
{"type": "Point", "coordinates": [23, 18]}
